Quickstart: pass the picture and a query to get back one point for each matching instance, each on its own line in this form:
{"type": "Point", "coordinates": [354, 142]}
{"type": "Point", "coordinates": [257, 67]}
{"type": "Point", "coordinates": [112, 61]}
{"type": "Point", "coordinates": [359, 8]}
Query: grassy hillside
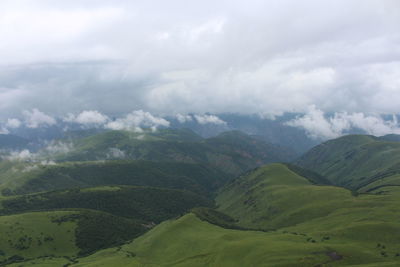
{"type": "Point", "coordinates": [145, 204]}
{"type": "Point", "coordinates": [61, 234]}
{"type": "Point", "coordinates": [275, 215]}
{"type": "Point", "coordinates": [231, 153]}
{"type": "Point", "coordinates": [21, 178]}
{"type": "Point", "coordinates": [33, 235]}
{"type": "Point", "coordinates": [167, 158]}
{"type": "Point", "coordinates": [274, 196]}
{"type": "Point", "coordinates": [390, 137]}
{"type": "Point", "coordinates": [301, 222]}
{"type": "Point", "coordinates": [172, 244]}
{"type": "Point", "coordinates": [354, 161]}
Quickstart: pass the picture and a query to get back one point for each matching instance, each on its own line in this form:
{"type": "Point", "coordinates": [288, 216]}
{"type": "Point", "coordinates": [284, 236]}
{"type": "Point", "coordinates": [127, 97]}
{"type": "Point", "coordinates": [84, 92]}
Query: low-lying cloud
{"type": "Point", "coordinates": [201, 119]}
{"type": "Point", "coordinates": [115, 153]}
{"type": "Point", "coordinates": [136, 120]}
{"type": "Point", "coordinates": [23, 155]}
{"type": "Point", "coordinates": [209, 119]}
{"type": "Point", "coordinates": [87, 117]}
{"type": "Point", "coordinates": [35, 118]}
{"type": "Point", "coordinates": [322, 126]}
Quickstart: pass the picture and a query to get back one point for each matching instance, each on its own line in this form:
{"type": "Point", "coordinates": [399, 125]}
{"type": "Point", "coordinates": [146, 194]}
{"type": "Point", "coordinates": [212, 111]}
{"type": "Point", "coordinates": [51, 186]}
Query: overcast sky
{"type": "Point", "coordinates": [171, 57]}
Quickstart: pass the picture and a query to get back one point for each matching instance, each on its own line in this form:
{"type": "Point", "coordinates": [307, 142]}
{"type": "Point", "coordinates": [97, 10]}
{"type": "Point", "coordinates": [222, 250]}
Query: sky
{"type": "Point", "coordinates": [179, 57]}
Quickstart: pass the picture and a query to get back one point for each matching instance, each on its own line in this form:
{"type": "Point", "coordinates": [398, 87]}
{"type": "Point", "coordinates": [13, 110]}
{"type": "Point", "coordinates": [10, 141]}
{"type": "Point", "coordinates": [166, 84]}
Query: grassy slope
{"type": "Point", "coordinates": [65, 233]}
{"type": "Point", "coordinates": [24, 178]}
{"type": "Point", "coordinates": [145, 204]}
{"type": "Point", "coordinates": [231, 152]}
{"type": "Point", "coordinates": [314, 221]}
{"type": "Point", "coordinates": [275, 197]}
{"type": "Point", "coordinates": [32, 235]}
{"type": "Point", "coordinates": [175, 159]}
{"type": "Point", "coordinates": [216, 246]}
{"type": "Point", "coordinates": [354, 161]}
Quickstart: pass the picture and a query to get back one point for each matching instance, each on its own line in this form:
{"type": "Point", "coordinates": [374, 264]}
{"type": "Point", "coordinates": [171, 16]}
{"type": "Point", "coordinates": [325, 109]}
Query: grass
{"type": "Point", "coordinates": [216, 246]}
{"type": "Point", "coordinates": [302, 219]}
{"type": "Point", "coordinates": [68, 234]}
{"type": "Point", "coordinates": [145, 204]}
{"type": "Point", "coordinates": [32, 235]}
{"type": "Point", "coordinates": [23, 178]}
{"type": "Point", "coordinates": [303, 224]}
{"type": "Point", "coordinates": [354, 161]}
{"type": "Point", "coordinates": [231, 152]}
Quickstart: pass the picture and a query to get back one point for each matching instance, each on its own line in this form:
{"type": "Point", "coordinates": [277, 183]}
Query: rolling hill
{"type": "Point", "coordinates": [356, 161]}
{"type": "Point", "coordinates": [29, 178]}
{"type": "Point", "coordinates": [231, 152]}
{"type": "Point", "coordinates": [65, 234]}
{"type": "Point", "coordinates": [145, 204]}
{"type": "Point", "coordinates": [338, 208]}
{"type": "Point", "coordinates": [272, 216]}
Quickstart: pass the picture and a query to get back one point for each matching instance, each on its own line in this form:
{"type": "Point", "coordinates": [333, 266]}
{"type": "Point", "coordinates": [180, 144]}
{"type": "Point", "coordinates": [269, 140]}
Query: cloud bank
{"type": "Point", "coordinates": [89, 117]}
{"type": "Point", "coordinates": [136, 120]}
{"type": "Point", "coordinates": [36, 118]}
{"type": "Point", "coordinates": [170, 57]}
{"type": "Point", "coordinates": [321, 126]}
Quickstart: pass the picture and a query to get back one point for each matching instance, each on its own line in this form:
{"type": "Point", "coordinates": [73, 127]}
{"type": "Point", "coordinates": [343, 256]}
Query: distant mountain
{"type": "Point", "coordinates": [231, 152]}
{"type": "Point", "coordinates": [356, 161]}
{"type": "Point", "coordinates": [390, 137]}
{"type": "Point", "coordinates": [271, 130]}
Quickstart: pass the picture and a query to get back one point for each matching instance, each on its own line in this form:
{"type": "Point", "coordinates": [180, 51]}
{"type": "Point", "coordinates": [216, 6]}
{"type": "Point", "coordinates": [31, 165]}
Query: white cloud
{"type": "Point", "coordinates": [137, 119]}
{"type": "Point", "coordinates": [36, 118]}
{"type": "Point", "coordinates": [250, 56]}
{"type": "Point", "coordinates": [4, 130]}
{"type": "Point", "coordinates": [24, 155]}
{"type": "Point", "coordinates": [47, 163]}
{"type": "Point", "coordinates": [183, 118]}
{"type": "Point", "coordinates": [57, 147]}
{"type": "Point", "coordinates": [87, 117]}
{"type": "Point", "coordinates": [319, 125]}
{"type": "Point", "coordinates": [13, 123]}
{"type": "Point", "coordinates": [209, 119]}
{"type": "Point", "coordinates": [115, 153]}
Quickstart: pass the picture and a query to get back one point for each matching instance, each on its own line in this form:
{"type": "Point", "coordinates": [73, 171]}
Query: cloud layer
{"type": "Point", "coordinates": [172, 57]}
{"type": "Point", "coordinates": [324, 126]}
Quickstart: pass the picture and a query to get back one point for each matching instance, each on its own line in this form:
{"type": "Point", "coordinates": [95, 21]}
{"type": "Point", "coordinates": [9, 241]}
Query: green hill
{"type": "Point", "coordinates": [337, 206]}
{"type": "Point", "coordinates": [274, 196]}
{"type": "Point", "coordinates": [301, 222]}
{"type": "Point", "coordinates": [355, 161]}
{"type": "Point", "coordinates": [390, 137]}
{"type": "Point", "coordinates": [19, 178]}
{"type": "Point", "coordinates": [232, 152]}
{"type": "Point", "coordinates": [66, 234]}
{"type": "Point", "coordinates": [146, 204]}
{"type": "Point", "coordinates": [188, 241]}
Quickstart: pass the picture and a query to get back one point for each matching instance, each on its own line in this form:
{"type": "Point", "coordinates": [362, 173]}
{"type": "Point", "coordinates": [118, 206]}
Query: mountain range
{"type": "Point", "coordinates": [174, 198]}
